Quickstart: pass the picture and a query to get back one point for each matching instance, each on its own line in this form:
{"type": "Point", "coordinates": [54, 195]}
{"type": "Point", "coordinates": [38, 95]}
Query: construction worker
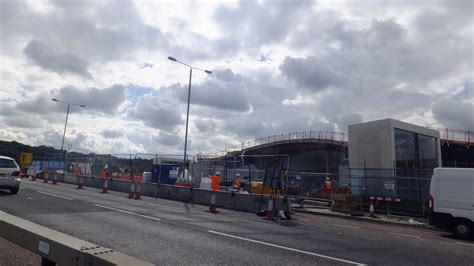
{"type": "Point", "coordinates": [237, 182]}
{"type": "Point", "coordinates": [215, 182]}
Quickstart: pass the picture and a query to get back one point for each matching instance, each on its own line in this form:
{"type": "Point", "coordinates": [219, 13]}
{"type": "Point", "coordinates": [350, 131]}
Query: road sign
{"type": "Point", "coordinates": [26, 158]}
{"type": "Point", "coordinates": [389, 185]}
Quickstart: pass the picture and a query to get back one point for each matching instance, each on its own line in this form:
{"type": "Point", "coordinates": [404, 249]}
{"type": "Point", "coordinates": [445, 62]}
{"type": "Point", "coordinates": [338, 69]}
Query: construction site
{"type": "Point", "coordinates": [345, 172]}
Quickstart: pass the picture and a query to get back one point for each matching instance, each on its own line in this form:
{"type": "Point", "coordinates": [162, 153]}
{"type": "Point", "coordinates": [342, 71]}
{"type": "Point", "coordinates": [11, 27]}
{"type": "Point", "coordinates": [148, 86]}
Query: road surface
{"type": "Point", "coordinates": [169, 232]}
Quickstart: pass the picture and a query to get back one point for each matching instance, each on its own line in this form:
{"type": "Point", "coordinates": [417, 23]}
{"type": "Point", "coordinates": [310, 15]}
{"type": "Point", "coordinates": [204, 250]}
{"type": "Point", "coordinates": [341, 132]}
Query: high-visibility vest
{"type": "Point", "coordinates": [77, 170]}
{"type": "Point", "coordinates": [104, 174]}
{"type": "Point", "coordinates": [237, 182]}
{"type": "Point", "coordinates": [215, 182]}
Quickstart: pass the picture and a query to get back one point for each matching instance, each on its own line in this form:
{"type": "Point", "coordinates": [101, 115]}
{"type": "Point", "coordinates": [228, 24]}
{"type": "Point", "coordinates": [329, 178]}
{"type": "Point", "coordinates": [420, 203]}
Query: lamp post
{"type": "Point", "coordinates": [189, 100]}
{"type": "Point", "coordinates": [67, 115]}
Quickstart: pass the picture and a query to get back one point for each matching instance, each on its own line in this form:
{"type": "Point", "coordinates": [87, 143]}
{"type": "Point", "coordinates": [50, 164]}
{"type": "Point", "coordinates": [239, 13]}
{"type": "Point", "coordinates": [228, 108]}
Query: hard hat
{"type": "Point", "coordinates": [218, 173]}
{"type": "Point", "coordinates": [237, 175]}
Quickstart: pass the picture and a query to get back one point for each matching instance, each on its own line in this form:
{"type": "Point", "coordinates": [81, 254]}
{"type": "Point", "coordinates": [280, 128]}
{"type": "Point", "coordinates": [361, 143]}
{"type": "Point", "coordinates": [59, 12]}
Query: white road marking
{"type": "Point", "coordinates": [462, 243]}
{"type": "Point", "coordinates": [304, 220]}
{"type": "Point", "coordinates": [286, 248]}
{"type": "Point", "coordinates": [348, 226]}
{"type": "Point", "coordinates": [407, 235]}
{"type": "Point", "coordinates": [54, 195]}
{"type": "Point", "coordinates": [128, 212]}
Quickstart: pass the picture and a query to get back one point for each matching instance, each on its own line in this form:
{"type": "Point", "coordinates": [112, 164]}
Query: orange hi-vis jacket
{"type": "Point", "coordinates": [215, 182]}
{"type": "Point", "coordinates": [237, 182]}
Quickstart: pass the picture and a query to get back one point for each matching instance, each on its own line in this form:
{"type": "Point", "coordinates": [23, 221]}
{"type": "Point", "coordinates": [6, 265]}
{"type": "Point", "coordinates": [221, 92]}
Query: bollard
{"type": "Point", "coordinates": [138, 192]}
{"type": "Point", "coordinates": [212, 204]}
{"type": "Point", "coordinates": [80, 182]}
{"type": "Point", "coordinates": [131, 194]}
{"type": "Point", "coordinates": [55, 179]}
{"type": "Point", "coordinates": [105, 187]}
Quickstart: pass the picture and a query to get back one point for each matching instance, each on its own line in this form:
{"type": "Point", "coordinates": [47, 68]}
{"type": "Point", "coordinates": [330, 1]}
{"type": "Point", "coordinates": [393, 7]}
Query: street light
{"type": "Point", "coordinates": [189, 99]}
{"type": "Point", "coordinates": [67, 115]}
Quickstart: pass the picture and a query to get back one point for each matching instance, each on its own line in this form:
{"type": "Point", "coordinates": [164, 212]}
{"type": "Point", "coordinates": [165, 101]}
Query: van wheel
{"type": "Point", "coordinates": [462, 229]}
{"type": "Point", "coordinates": [14, 190]}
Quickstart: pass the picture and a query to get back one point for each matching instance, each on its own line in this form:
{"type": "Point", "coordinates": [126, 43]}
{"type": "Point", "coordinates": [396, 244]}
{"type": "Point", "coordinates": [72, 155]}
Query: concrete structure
{"type": "Point", "coordinates": [392, 144]}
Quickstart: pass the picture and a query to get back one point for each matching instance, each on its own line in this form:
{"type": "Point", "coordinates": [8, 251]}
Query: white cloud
{"type": "Point", "coordinates": [278, 67]}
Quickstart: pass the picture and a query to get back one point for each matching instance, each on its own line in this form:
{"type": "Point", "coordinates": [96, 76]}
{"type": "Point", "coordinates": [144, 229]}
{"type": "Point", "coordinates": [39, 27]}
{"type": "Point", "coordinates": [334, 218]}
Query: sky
{"type": "Point", "coordinates": [277, 67]}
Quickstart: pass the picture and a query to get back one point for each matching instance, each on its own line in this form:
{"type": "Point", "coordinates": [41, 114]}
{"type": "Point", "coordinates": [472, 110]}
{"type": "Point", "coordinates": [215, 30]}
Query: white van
{"type": "Point", "coordinates": [452, 200]}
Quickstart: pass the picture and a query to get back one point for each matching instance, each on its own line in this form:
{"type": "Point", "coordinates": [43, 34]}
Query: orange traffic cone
{"type": "Point", "coordinates": [55, 179]}
{"type": "Point", "coordinates": [371, 209]}
{"type": "Point", "coordinates": [138, 191]}
{"type": "Point", "coordinates": [105, 187]}
{"type": "Point", "coordinates": [270, 215]}
{"type": "Point", "coordinates": [131, 194]}
{"type": "Point", "coordinates": [80, 182]}
{"type": "Point", "coordinates": [33, 177]}
{"type": "Point", "coordinates": [212, 204]}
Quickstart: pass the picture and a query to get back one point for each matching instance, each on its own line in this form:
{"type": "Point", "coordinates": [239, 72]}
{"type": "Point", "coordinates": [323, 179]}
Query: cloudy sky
{"type": "Point", "coordinates": [278, 67]}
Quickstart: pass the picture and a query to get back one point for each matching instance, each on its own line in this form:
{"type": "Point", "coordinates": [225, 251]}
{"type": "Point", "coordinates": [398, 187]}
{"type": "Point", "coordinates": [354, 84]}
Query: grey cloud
{"type": "Point", "coordinates": [112, 133]}
{"type": "Point", "coordinates": [225, 95]}
{"type": "Point", "coordinates": [47, 58]}
{"type": "Point", "coordinates": [205, 125]}
{"type": "Point", "coordinates": [167, 139]}
{"type": "Point", "coordinates": [456, 115]}
{"type": "Point", "coordinates": [90, 30]}
{"type": "Point", "coordinates": [156, 112]}
{"type": "Point", "coordinates": [105, 100]}
{"type": "Point", "coordinates": [259, 23]}
{"type": "Point", "coordinates": [311, 73]}
{"type": "Point", "coordinates": [344, 120]}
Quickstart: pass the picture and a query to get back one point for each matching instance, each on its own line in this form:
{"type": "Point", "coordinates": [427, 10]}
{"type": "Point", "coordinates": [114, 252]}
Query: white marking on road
{"type": "Point", "coordinates": [286, 248]}
{"type": "Point", "coordinates": [407, 235]}
{"type": "Point", "coordinates": [54, 195]}
{"type": "Point", "coordinates": [128, 212]}
{"type": "Point", "coordinates": [304, 220]}
{"type": "Point", "coordinates": [462, 243]}
{"type": "Point", "coordinates": [348, 226]}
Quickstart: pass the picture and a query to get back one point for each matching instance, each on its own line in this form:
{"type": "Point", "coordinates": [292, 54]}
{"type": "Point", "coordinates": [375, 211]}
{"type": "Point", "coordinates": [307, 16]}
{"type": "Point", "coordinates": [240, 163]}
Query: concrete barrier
{"type": "Point", "coordinates": [57, 248]}
{"type": "Point", "coordinates": [227, 200]}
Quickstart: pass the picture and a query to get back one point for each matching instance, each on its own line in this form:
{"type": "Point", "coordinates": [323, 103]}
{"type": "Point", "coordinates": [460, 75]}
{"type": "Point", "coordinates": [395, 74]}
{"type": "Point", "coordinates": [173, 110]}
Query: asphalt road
{"type": "Point", "coordinates": [168, 232]}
